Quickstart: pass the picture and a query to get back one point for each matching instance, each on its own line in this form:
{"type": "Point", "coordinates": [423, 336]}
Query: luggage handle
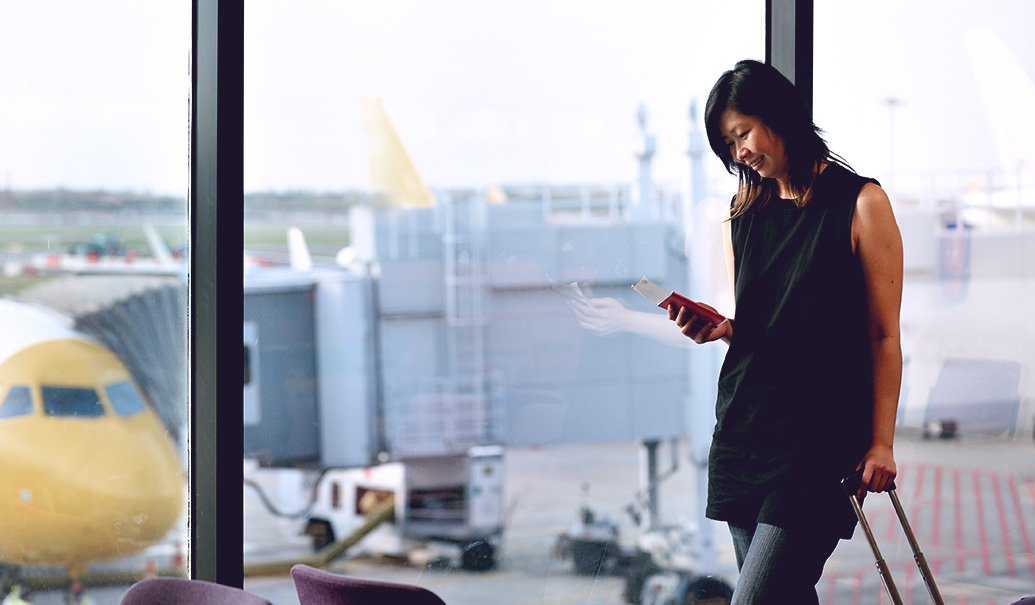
{"type": "Point", "coordinates": [851, 485]}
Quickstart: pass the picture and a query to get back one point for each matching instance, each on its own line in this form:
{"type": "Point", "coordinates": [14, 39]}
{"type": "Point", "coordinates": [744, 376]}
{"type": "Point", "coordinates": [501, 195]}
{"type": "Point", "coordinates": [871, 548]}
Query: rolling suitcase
{"type": "Point", "coordinates": [851, 486]}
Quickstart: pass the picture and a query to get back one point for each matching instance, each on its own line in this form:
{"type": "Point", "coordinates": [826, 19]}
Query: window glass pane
{"type": "Point", "coordinates": [62, 401]}
{"type": "Point", "coordinates": [17, 402]}
{"type": "Point", "coordinates": [937, 111]}
{"type": "Point", "coordinates": [445, 207]}
{"type": "Point", "coordinates": [124, 399]}
{"type": "Point", "coordinates": [93, 221]}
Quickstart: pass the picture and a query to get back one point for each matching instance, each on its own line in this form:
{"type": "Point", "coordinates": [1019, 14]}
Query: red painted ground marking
{"type": "Point", "coordinates": [914, 514]}
{"type": "Point", "coordinates": [831, 581]}
{"type": "Point", "coordinates": [910, 570]}
{"type": "Point", "coordinates": [936, 520]}
{"type": "Point", "coordinates": [1007, 548]}
{"type": "Point", "coordinates": [985, 558]}
{"type": "Point", "coordinates": [959, 517]}
{"type": "Point", "coordinates": [918, 491]}
{"type": "Point", "coordinates": [1025, 540]}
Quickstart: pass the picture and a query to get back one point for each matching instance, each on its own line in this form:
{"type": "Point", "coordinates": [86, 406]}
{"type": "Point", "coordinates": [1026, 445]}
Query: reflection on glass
{"type": "Point", "coordinates": [93, 180]}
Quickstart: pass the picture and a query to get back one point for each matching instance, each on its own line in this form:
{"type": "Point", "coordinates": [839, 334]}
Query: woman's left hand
{"type": "Point", "coordinates": [878, 470]}
{"type": "Point", "coordinates": [705, 331]}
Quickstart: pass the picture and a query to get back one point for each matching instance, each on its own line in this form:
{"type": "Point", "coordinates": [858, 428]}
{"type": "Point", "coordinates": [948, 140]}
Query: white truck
{"type": "Point", "coordinates": [453, 501]}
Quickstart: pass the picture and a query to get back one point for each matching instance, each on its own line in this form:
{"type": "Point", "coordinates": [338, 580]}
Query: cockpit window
{"type": "Point", "coordinates": [17, 402]}
{"type": "Point", "coordinates": [70, 401]}
{"type": "Point", "coordinates": [124, 399]}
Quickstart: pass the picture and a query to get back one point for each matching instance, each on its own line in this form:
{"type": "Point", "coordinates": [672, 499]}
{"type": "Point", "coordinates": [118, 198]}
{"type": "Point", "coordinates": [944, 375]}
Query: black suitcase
{"type": "Point", "coordinates": [851, 486]}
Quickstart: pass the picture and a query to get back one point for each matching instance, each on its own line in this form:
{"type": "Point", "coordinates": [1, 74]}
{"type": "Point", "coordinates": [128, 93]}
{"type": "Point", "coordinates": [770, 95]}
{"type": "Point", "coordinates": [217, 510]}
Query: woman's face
{"type": "Point", "coordinates": [754, 145]}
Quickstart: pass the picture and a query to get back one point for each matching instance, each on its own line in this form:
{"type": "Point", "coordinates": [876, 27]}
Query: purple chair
{"type": "Point", "coordinates": [319, 587]}
{"type": "Point", "coordinates": [181, 591]}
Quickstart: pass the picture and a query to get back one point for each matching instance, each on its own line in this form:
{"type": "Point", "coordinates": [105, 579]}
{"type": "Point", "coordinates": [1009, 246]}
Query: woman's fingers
{"type": "Point", "coordinates": [689, 325]}
{"type": "Point", "coordinates": [878, 475]}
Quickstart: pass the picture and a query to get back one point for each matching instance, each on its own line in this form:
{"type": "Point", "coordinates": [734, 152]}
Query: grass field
{"type": "Point", "coordinates": [324, 239]}
{"type": "Point", "coordinates": [57, 235]}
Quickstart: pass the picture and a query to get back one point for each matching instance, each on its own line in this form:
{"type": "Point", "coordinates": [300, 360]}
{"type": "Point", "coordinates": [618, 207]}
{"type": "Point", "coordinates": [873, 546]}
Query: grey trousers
{"type": "Point", "coordinates": [778, 566]}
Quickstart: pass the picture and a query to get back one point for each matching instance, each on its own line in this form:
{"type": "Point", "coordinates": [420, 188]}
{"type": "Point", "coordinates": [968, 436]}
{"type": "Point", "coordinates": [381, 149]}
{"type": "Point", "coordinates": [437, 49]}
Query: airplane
{"type": "Point", "coordinates": [88, 472]}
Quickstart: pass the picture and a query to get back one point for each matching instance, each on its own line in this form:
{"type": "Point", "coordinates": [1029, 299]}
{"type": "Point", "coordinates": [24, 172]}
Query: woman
{"type": "Point", "coordinates": [808, 391]}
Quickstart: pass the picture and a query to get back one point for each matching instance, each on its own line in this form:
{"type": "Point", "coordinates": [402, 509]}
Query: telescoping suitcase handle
{"type": "Point", "coordinates": [851, 485]}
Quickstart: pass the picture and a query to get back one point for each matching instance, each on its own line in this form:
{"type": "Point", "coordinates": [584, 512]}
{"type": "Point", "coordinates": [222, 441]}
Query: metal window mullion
{"type": "Point", "coordinates": [789, 41]}
{"type": "Point", "coordinates": [216, 294]}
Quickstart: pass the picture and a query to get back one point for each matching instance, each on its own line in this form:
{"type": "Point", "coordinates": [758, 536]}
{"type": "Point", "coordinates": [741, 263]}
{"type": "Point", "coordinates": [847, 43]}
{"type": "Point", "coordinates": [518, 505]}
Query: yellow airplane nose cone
{"type": "Point", "coordinates": [78, 487]}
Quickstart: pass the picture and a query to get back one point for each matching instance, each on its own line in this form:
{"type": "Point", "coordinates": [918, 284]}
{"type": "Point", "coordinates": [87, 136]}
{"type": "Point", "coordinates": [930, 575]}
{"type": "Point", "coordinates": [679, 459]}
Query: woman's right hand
{"type": "Point", "coordinates": [700, 333]}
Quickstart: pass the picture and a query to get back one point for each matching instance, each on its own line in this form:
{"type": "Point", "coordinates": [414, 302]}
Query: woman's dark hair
{"type": "Point", "coordinates": [756, 89]}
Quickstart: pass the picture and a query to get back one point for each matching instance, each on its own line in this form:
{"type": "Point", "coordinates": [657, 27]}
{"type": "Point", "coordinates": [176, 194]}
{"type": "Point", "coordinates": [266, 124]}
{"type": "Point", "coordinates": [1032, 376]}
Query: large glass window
{"type": "Point", "coordinates": [445, 207]}
{"type": "Point", "coordinates": [93, 223]}
{"type": "Point", "coordinates": [930, 98]}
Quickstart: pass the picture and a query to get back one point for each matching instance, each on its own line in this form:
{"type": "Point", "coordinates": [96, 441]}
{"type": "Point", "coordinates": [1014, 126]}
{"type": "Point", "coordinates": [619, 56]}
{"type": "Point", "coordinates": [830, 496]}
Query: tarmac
{"type": "Point", "coordinates": [971, 503]}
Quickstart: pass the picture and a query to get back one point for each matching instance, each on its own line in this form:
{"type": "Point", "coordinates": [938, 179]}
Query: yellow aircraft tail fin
{"type": "Point", "coordinates": [392, 171]}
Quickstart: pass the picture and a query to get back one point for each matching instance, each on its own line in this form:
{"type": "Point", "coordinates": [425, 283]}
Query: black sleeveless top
{"type": "Point", "coordinates": [795, 407]}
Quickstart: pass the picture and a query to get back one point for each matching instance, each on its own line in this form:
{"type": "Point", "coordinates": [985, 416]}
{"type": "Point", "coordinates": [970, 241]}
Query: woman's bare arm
{"type": "Point", "coordinates": [878, 244]}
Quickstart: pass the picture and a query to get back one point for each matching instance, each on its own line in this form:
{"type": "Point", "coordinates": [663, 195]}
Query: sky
{"type": "Point", "coordinates": [481, 92]}
{"type": "Point", "coordinates": [93, 95]}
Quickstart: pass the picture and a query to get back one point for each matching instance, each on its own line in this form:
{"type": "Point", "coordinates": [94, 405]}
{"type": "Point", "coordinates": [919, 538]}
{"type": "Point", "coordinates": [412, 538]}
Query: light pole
{"type": "Point", "coordinates": [892, 103]}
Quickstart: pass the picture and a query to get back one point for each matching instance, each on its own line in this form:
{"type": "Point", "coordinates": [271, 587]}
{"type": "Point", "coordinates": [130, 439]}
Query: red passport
{"type": "Point", "coordinates": [663, 298]}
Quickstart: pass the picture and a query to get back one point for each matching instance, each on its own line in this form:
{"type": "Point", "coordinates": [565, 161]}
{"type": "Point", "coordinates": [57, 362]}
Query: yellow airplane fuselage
{"type": "Point", "coordinates": [87, 470]}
